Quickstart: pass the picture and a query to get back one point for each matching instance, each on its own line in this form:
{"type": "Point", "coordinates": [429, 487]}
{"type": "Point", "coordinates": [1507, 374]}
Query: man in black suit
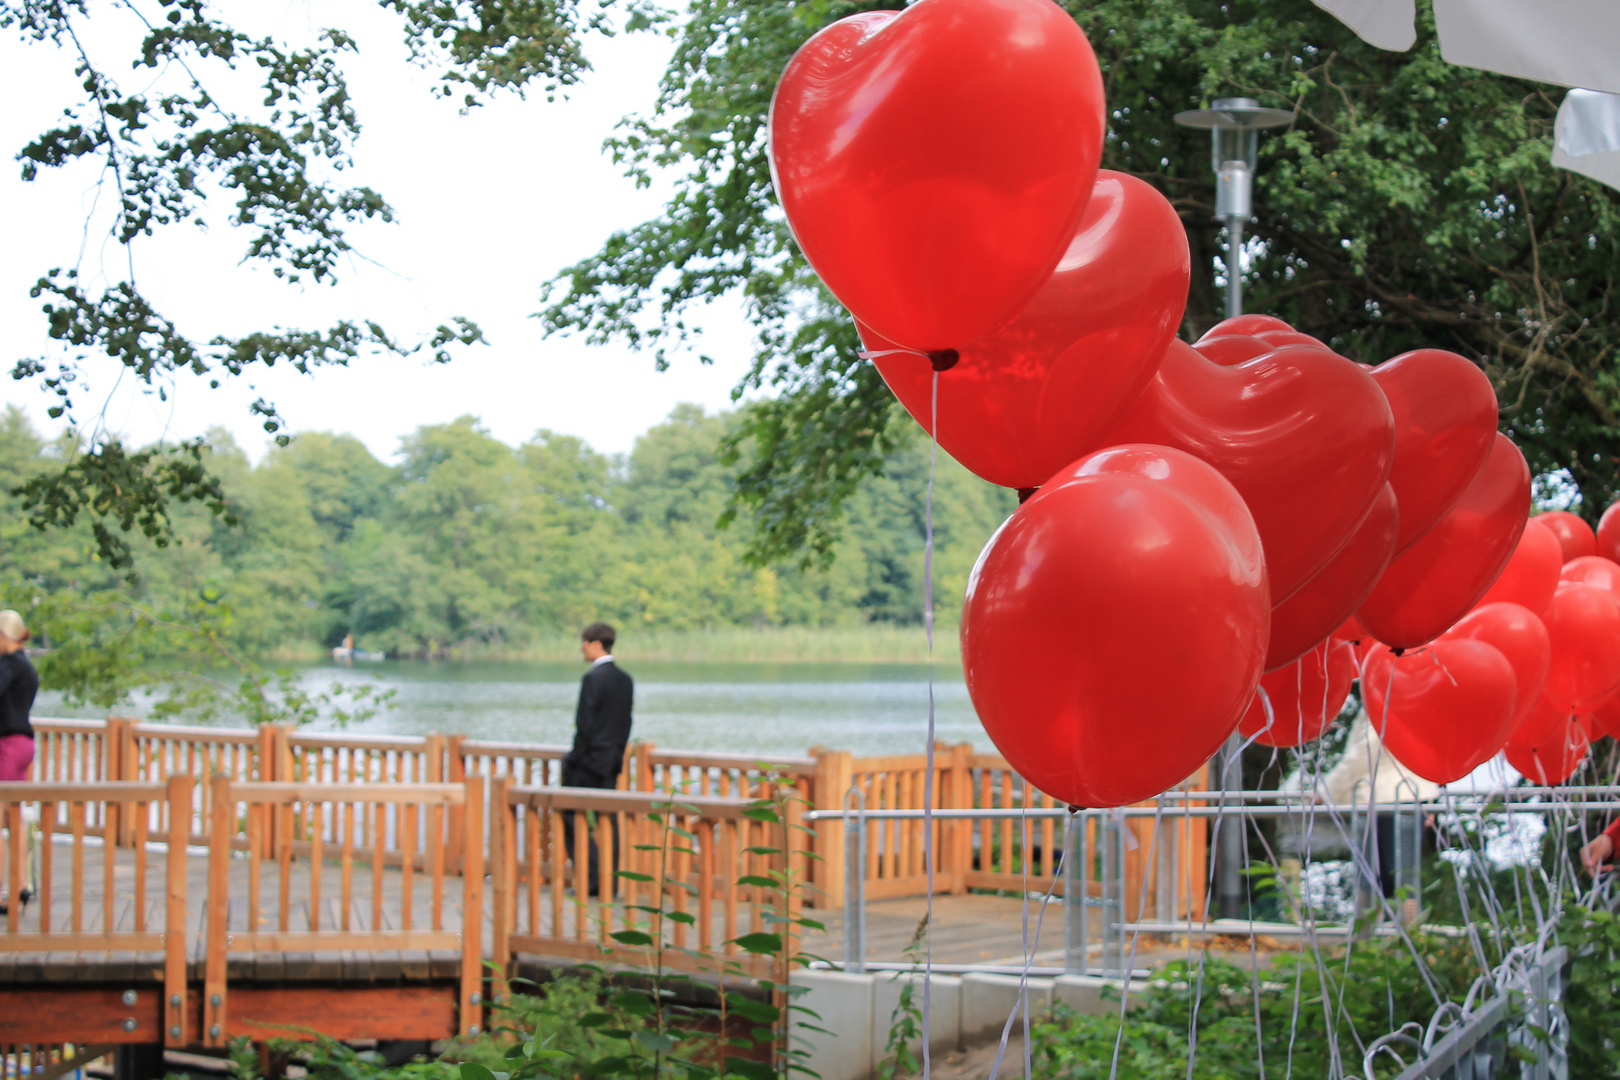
{"type": "Point", "coordinates": [601, 732]}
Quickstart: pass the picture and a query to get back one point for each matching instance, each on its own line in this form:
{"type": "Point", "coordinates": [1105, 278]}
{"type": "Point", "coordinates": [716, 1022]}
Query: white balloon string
{"type": "Point", "coordinates": [1029, 960]}
{"type": "Point", "coordinates": [928, 769]}
{"type": "Point", "coordinates": [873, 355]}
{"type": "Point", "coordinates": [1141, 906]}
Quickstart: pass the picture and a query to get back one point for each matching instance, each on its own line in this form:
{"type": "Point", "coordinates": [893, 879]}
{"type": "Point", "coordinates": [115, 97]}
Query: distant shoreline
{"type": "Point", "coordinates": [871, 644]}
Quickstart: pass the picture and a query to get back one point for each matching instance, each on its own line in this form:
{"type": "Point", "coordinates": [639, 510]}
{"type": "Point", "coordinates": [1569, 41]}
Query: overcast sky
{"type": "Point", "coordinates": [490, 206]}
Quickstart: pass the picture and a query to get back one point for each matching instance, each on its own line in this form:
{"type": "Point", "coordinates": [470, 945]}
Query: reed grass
{"type": "Point", "coordinates": [870, 644]}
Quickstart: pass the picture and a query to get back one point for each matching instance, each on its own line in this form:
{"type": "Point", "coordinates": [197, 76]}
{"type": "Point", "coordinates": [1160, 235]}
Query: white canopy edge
{"type": "Point", "coordinates": [1587, 136]}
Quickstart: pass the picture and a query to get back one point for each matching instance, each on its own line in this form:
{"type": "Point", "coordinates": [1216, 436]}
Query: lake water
{"type": "Point", "coordinates": [781, 709]}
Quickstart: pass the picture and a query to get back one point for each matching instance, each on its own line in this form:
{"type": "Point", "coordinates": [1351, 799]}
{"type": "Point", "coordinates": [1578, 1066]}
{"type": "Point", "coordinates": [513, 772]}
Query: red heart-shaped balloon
{"type": "Point", "coordinates": [1520, 636]}
{"type": "Point", "coordinates": [1133, 561]}
{"type": "Point", "coordinates": [1445, 419]}
{"type": "Point", "coordinates": [1450, 706]}
{"type": "Point", "coordinates": [1229, 349]}
{"type": "Point", "coordinates": [1548, 745]}
{"type": "Point", "coordinates": [1304, 435]}
{"type": "Point", "coordinates": [1446, 572]}
{"type": "Point", "coordinates": [1583, 622]}
{"type": "Point", "coordinates": [1591, 570]}
{"type": "Point", "coordinates": [1608, 533]}
{"type": "Point", "coordinates": [1531, 574]}
{"type": "Point", "coordinates": [1338, 589]}
{"type": "Point", "coordinates": [1246, 326]}
{"type": "Point", "coordinates": [1047, 387]}
{"type": "Point", "coordinates": [1575, 536]}
{"type": "Point", "coordinates": [1605, 717]}
{"type": "Point", "coordinates": [933, 163]}
{"type": "Point", "coordinates": [1305, 696]}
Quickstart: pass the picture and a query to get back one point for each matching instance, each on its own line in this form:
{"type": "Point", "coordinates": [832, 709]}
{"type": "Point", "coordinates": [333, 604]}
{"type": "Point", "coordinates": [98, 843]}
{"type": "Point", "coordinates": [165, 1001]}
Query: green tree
{"type": "Point", "coordinates": [1410, 204]}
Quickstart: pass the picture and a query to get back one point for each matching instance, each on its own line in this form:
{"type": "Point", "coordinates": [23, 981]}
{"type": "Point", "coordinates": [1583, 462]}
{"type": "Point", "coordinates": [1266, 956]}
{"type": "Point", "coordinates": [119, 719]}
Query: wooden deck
{"type": "Point", "coordinates": [386, 887]}
{"type": "Point", "coordinates": [972, 929]}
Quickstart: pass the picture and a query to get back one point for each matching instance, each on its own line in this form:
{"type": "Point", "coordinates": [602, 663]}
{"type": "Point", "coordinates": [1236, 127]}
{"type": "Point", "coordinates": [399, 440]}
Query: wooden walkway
{"type": "Point", "coordinates": [971, 929]}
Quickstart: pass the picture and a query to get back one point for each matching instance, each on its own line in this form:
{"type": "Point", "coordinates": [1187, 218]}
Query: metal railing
{"type": "Point", "coordinates": [1477, 1039]}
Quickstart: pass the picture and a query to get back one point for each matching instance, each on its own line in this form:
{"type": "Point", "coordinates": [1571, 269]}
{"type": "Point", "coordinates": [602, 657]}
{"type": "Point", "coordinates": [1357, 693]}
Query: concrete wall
{"type": "Point", "coordinates": [964, 1011]}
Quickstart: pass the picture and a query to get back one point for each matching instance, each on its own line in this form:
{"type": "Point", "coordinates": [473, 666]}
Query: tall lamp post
{"type": "Point", "coordinates": [1234, 126]}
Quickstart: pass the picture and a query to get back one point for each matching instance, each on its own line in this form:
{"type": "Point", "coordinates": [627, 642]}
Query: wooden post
{"type": "Point", "coordinates": [121, 765]}
{"type": "Point", "coordinates": [472, 912]}
{"type": "Point", "coordinates": [219, 866]}
{"type": "Point", "coordinates": [646, 780]}
{"type": "Point", "coordinates": [455, 773]}
{"type": "Point", "coordinates": [283, 754]}
{"type": "Point", "coordinates": [834, 772]}
{"type": "Point", "coordinates": [503, 881]}
{"type": "Point", "coordinates": [174, 918]}
{"type": "Point", "coordinates": [958, 787]}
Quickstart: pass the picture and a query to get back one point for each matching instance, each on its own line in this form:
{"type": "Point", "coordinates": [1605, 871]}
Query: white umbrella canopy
{"type": "Point", "coordinates": [1567, 42]}
{"type": "Point", "coordinates": [1587, 138]}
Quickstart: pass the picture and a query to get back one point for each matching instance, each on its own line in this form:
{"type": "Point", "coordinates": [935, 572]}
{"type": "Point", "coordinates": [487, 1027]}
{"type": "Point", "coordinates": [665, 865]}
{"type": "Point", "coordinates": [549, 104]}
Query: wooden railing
{"type": "Point", "coordinates": [693, 855]}
{"type": "Point", "coordinates": [299, 878]}
{"type": "Point", "coordinates": [140, 913]}
{"type": "Point", "coordinates": [304, 843]}
{"type": "Point", "coordinates": [969, 855]}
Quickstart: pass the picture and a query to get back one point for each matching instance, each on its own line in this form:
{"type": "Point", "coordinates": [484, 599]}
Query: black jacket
{"type": "Point", "coordinates": [19, 682]}
{"type": "Point", "coordinates": [601, 727]}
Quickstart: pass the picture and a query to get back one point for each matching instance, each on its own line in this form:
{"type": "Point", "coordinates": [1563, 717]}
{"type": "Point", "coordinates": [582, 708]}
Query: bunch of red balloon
{"type": "Point", "coordinates": [1194, 515]}
{"type": "Point", "coordinates": [1554, 618]}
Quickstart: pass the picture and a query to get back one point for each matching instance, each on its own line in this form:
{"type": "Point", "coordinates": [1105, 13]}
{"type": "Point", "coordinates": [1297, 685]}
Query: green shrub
{"type": "Point", "coordinates": [1307, 1010]}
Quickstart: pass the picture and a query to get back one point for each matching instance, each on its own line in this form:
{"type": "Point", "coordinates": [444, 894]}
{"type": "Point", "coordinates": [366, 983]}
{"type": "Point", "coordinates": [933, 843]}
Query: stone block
{"type": "Point", "coordinates": [844, 1003]}
{"type": "Point", "coordinates": [988, 999]}
{"type": "Point", "coordinates": [945, 1011]}
{"type": "Point", "coordinates": [1094, 995]}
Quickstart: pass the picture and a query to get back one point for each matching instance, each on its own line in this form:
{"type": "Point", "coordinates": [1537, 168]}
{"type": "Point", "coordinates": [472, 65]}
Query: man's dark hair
{"type": "Point", "coordinates": [602, 632]}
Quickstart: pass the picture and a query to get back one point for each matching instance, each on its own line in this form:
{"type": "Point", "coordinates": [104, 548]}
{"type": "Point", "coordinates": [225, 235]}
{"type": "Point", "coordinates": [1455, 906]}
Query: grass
{"type": "Point", "coordinates": [870, 644]}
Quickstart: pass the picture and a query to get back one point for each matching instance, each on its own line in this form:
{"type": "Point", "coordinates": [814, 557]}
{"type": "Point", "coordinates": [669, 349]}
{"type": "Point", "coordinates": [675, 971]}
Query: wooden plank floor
{"type": "Point", "coordinates": [966, 929]}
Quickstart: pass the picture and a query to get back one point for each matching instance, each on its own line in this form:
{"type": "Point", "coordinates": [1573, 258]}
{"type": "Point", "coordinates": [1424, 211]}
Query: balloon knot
{"type": "Point", "coordinates": [1073, 809]}
{"type": "Point", "coordinates": [1397, 652]}
{"type": "Point", "coordinates": [1025, 493]}
{"type": "Point", "coordinates": [944, 359]}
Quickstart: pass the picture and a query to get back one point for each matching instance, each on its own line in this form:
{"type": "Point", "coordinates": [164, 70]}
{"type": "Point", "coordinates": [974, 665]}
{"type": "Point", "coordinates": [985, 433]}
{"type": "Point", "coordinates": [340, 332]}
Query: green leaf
{"type": "Point", "coordinates": [760, 943]}
{"type": "Point", "coordinates": [631, 875]}
{"type": "Point", "coordinates": [758, 1011]}
{"type": "Point", "coordinates": [595, 1019]}
{"type": "Point", "coordinates": [684, 917]}
{"type": "Point", "coordinates": [755, 879]}
{"type": "Point", "coordinates": [762, 813]}
{"type": "Point", "coordinates": [658, 1043]}
{"type": "Point", "coordinates": [633, 1002]}
{"type": "Point", "coordinates": [631, 937]}
{"type": "Point", "coordinates": [750, 1070]}
{"type": "Point", "coordinates": [471, 1070]}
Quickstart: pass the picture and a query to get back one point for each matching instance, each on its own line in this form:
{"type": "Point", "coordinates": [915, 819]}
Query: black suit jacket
{"type": "Point", "coordinates": [601, 727]}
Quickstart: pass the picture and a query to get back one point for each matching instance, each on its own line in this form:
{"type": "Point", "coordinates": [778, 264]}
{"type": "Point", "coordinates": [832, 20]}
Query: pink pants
{"type": "Point", "coordinates": [16, 755]}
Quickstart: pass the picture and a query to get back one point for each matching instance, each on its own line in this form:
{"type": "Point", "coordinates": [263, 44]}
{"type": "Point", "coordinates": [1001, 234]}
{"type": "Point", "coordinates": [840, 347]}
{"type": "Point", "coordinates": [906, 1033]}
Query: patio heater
{"type": "Point", "coordinates": [1234, 126]}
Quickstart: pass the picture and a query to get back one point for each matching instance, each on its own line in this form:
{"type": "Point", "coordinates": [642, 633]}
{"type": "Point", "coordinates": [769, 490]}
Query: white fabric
{"type": "Point", "coordinates": [1587, 138]}
{"type": "Point", "coordinates": [600, 660]}
{"type": "Point", "coordinates": [1388, 24]}
{"type": "Point", "coordinates": [1570, 42]}
{"type": "Point", "coordinates": [1362, 752]}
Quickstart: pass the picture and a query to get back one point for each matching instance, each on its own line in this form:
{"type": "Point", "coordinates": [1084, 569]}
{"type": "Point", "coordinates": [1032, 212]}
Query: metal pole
{"type": "Point", "coordinates": [1076, 891]}
{"type": "Point", "coordinates": [855, 881]}
{"type": "Point", "coordinates": [1234, 267]}
{"type": "Point", "coordinates": [1229, 846]}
